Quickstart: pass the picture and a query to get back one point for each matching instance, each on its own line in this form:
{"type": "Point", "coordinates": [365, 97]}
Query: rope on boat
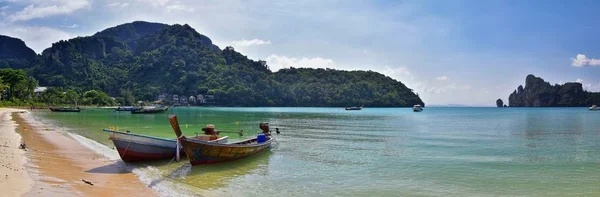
{"type": "Point", "coordinates": [125, 152]}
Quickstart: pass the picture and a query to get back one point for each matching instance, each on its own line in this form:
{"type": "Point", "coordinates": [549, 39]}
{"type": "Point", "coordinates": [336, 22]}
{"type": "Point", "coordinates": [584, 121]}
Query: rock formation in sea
{"type": "Point", "coordinates": [539, 93]}
{"type": "Point", "coordinates": [499, 103]}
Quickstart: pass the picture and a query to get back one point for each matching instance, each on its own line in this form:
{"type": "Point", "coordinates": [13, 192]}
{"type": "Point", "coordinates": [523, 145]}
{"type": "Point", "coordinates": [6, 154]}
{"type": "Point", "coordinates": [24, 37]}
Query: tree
{"type": "Point", "coordinates": [72, 97]}
{"type": "Point", "coordinates": [13, 78]}
{"type": "Point", "coordinates": [128, 98]}
{"type": "Point", "coordinates": [96, 97]}
{"type": "Point", "coordinates": [52, 96]}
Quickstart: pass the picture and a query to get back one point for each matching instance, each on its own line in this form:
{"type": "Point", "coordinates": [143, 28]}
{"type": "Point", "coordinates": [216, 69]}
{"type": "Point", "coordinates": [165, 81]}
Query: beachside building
{"type": "Point", "coordinates": [183, 100]}
{"type": "Point", "coordinates": [200, 99]}
{"type": "Point", "coordinates": [209, 98]}
{"type": "Point", "coordinates": [162, 97]}
{"type": "Point", "coordinates": [192, 99]}
{"type": "Point", "coordinates": [39, 90]}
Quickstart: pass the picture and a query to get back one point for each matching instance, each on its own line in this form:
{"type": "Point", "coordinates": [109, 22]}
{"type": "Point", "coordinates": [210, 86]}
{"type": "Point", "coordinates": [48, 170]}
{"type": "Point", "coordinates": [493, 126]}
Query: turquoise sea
{"type": "Point", "coordinates": [382, 151]}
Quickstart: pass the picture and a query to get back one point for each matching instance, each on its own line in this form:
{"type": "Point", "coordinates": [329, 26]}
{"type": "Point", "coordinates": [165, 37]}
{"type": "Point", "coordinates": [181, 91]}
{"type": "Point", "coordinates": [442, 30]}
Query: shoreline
{"type": "Point", "coordinates": [15, 179]}
{"type": "Point", "coordinates": [57, 164]}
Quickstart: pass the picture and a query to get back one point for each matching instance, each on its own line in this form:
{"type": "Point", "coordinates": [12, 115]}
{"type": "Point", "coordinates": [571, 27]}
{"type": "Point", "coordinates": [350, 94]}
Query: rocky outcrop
{"type": "Point", "coordinates": [14, 53]}
{"type": "Point", "coordinates": [499, 103]}
{"type": "Point", "coordinates": [539, 93]}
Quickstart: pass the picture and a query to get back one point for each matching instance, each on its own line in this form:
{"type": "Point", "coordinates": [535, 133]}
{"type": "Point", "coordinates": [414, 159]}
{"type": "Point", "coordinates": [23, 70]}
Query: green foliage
{"type": "Point", "coordinates": [95, 97]}
{"type": "Point", "coordinates": [539, 93]}
{"type": "Point", "coordinates": [72, 97]}
{"type": "Point", "coordinates": [141, 60]}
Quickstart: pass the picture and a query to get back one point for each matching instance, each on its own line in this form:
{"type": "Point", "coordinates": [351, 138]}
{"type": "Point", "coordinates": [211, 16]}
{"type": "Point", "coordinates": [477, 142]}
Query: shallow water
{"type": "Point", "coordinates": [381, 151]}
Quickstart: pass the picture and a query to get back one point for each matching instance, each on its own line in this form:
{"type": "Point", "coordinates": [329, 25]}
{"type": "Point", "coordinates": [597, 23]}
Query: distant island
{"type": "Point", "coordinates": [539, 93]}
{"type": "Point", "coordinates": [177, 65]}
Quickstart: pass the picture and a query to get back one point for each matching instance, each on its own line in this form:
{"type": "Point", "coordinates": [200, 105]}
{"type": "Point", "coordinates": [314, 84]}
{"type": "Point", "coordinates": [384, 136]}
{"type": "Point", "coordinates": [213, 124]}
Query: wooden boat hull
{"type": "Point", "coordinates": [137, 148]}
{"type": "Point", "coordinates": [200, 152]}
{"type": "Point", "coordinates": [353, 108]}
{"type": "Point", "coordinates": [64, 109]}
{"type": "Point", "coordinates": [149, 111]}
{"type": "Point", "coordinates": [127, 108]}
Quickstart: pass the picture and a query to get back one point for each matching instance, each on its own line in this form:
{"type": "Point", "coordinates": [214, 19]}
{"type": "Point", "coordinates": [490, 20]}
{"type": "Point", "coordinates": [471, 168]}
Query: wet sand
{"type": "Point", "coordinates": [14, 180]}
{"type": "Point", "coordinates": [58, 165]}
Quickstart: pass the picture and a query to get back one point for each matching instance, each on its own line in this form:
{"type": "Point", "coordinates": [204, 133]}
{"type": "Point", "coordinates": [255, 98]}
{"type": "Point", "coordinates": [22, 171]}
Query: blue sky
{"type": "Point", "coordinates": [449, 52]}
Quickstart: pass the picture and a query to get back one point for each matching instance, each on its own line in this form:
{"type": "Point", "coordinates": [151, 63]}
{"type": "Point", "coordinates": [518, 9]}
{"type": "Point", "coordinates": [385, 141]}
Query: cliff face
{"type": "Point", "coordinates": [499, 103]}
{"type": "Point", "coordinates": [14, 53]}
{"type": "Point", "coordinates": [539, 93]}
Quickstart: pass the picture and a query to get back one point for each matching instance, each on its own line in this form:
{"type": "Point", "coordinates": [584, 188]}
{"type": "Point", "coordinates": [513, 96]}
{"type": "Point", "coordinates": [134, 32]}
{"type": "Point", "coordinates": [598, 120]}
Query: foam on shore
{"type": "Point", "coordinates": [150, 176]}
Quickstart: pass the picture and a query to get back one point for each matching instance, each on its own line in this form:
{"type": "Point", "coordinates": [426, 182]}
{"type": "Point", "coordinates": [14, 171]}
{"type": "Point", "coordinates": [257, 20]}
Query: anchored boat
{"type": "Point", "coordinates": [65, 109]}
{"type": "Point", "coordinates": [417, 108]}
{"type": "Point", "coordinates": [128, 108]}
{"type": "Point", "coordinates": [202, 152]}
{"type": "Point", "coordinates": [150, 110]}
{"type": "Point", "coordinates": [136, 147]}
{"type": "Point", "coordinates": [354, 108]}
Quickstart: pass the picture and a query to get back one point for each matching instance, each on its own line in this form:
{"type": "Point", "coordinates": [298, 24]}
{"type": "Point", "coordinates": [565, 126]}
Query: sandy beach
{"type": "Point", "coordinates": [55, 164]}
{"type": "Point", "coordinates": [14, 180]}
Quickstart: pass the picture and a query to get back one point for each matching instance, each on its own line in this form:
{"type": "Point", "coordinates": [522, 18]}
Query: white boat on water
{"type": "Point", "coordinates": [594, 108]}
{"type": "Point", "coordinates": [417, 108]}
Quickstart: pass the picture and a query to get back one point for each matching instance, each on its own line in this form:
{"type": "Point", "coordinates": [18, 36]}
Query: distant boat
{"type": "Point", "coordinates": [202, 152]}
{"type": "Point", "coordinates": [127, 108]}
{"type": "Point", "coordinates": [65, 109]}
{"type": "Point", "coordinates": [136, 147]}
{"type": "Point", "coordinates": [354, 108]}
{"type": "Point", "coordinates": [594, 108]}
{"type": "Point", "coordinates": [150, 110]}
{"type": "Point", "coordinates": [417, 108]}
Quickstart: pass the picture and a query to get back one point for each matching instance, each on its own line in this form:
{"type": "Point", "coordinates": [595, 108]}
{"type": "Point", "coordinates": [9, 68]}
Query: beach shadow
{"type": "Point", "coordinates": [118, 167]}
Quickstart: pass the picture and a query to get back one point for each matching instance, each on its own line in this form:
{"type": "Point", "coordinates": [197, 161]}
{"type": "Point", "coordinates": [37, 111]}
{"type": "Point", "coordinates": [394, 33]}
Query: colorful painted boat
{"type": "Point", "coordinates": [128, 108]}
{"type": "Point", "coordinates": [65, 109]}
{"type": "Point", "coordinates": [150, 110]}
{"type": "Point", "coordinates": [202, 152]}
{"type": "Point", "coordinates": [136, 147]}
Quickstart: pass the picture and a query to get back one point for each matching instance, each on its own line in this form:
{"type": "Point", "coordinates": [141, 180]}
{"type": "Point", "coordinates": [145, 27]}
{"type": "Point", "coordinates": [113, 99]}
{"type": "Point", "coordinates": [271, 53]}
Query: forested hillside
{"type": "Point", "coordinates": [147, 59]}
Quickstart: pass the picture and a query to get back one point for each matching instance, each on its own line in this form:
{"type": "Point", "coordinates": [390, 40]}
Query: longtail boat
{"type": "Point", "coordinates": [128, 108]}
{"type": "Point", "coordinates": [150, 110]}
{"type": "Point", "coordinates": [353, 108]}
{"type": "Point", "coordinates": [65, 109]}
{"type": "Point", "coordinates": [202, 152]}
{"type": "Point", "coordinates": [136, 147]}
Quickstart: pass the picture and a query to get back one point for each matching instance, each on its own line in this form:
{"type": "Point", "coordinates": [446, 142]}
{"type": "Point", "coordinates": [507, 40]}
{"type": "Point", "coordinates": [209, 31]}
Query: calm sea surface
{"type": "Point", "coordinates": [381, 151]}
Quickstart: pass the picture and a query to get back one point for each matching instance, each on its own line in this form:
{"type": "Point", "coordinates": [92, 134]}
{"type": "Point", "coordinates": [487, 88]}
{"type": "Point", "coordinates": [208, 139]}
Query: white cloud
{"type": "Point", "coordinates": [118, 4]}
{"type": "Point", "coordinates": [155, 3]}
{"type": "Point", "coordinates": [442, 78]}
{"type": "Point", "coordinates": [403, 74]}
{"type": "Point", "coordinates": [277, 62]}
{"type": "Point", "coordinates": [579, 81]}
{"type": "Point", "coordinates": [447, 88]}
{"type": "Point", "coordinates": [252, 42]}
{"type": "Point", "coordinates": [179, 7]}
{"type": "Point", "coordinates": [70, 26]}
{"type": "Point", "coordinates": [37, 38]}
{"type": "Point", "coordinates": [44, 9]}
{"type": "Point", "coordinates": [581, 60]}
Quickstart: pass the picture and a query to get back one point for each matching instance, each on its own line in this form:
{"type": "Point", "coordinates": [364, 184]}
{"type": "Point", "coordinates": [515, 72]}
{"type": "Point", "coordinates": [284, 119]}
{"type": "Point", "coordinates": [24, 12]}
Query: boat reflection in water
{"type": "Point", "coordinates": [211, 177]}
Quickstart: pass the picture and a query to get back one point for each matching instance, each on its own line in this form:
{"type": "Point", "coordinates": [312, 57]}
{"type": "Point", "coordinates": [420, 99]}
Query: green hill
{"type": "Point", "coordinates": [148, 59]}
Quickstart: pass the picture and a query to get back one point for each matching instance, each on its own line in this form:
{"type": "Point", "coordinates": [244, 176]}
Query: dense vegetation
{"type": "Point", "coordinates": [19, 90]}
{"type": "Point", "coordinates": [140, 60]}
{"type": "Point", "coordinates": [14, 53]}
{"type": "Point", "coordinates": [539, 93]}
